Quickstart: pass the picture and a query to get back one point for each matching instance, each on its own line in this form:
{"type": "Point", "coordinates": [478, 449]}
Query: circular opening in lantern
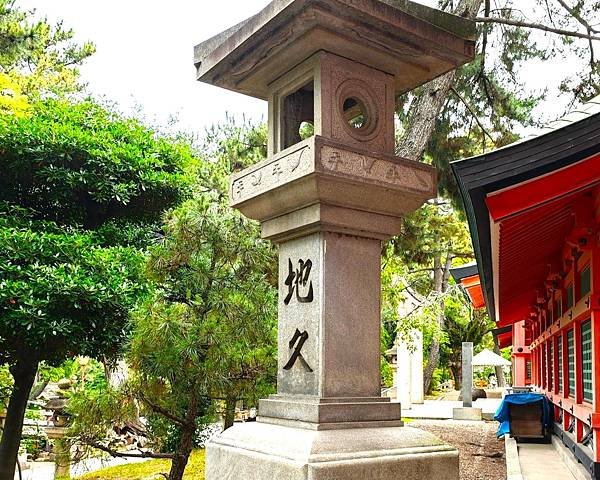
{"type": "Point", "coordinates": [356, 113]}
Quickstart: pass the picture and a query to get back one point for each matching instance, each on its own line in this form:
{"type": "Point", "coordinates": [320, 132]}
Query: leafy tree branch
{"type": "Point", "coordinates": [536, 26]}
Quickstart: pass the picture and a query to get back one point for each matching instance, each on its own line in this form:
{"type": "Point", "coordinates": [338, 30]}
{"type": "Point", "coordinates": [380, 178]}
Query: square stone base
{"type": "Point", "coordinates": [330, 413]}
{"type": "Point", "coordinates": [466, 413]}
{"type": "Point", "coordinates": [260, 451]}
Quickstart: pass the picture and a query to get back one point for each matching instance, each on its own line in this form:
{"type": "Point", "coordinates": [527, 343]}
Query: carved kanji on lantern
{"type": "Point", "coordinates": [298, 279]}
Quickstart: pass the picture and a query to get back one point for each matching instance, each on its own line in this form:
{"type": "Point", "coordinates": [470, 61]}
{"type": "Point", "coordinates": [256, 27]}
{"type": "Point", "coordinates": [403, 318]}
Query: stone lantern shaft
{"type": "Point", "coordinates": [330, 191]}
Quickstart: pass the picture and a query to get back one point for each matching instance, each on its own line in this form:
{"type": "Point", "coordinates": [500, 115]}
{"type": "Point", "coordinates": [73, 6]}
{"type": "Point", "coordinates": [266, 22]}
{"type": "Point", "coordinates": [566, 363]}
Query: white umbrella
{"type": "Point", "coordinates": [487, 358]}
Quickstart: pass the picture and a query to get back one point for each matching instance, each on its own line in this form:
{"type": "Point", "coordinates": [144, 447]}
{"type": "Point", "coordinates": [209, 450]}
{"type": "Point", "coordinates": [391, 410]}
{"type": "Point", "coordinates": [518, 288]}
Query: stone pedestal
{"type": "Point", "coordinates": [62, 452]}
{"type": "Point", "coordinates": [262, 451]}
{"type": "Point", "coordinates": [335, 379]}
{"type": "Point", "coordinates": [467, 413]}
{"type": "Point", "coordinates": [328, 202]}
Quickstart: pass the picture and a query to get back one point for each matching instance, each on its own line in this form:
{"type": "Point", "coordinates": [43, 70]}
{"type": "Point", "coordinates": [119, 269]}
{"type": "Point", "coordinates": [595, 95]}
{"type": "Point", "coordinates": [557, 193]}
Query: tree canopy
{"type": "Point", "coordinates": [208, 332]}
{"type": "Point", "coordinates": [83, 189]}
{"type": "Point", "coordinates": [82, 164]}
{"type": "Point", "coordinates": [39, 57]}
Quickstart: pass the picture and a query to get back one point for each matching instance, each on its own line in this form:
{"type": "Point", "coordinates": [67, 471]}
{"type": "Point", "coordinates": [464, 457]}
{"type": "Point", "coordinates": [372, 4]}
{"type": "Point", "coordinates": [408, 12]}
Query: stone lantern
{"type": "Point", "coordinates": [57, 432]}
{"type": "Point", "coordinates": [331, 69]}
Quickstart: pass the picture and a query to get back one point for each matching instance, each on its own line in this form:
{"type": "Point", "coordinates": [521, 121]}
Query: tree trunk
{"type": "Point", "coordinates": [229, 417]}
{"type": "Point", "coordinates": [441, 275]}
{"type": "Point", "coordinates": [23, 373]}
{"type": "Point", "coordinates": [456, 369]}
{"type": "Point", "coordinates": [426, 108]}
{"type": "Point", "coordinates": [186, 442]}
{"type": "Point", "coordinates": [434, 351]}
{"type": "Point", "coordinates": [184, 451]}
{"type": "Point", "coordinates": [423, 115]}
{"type": "Point", "coordinates": [499, 370]}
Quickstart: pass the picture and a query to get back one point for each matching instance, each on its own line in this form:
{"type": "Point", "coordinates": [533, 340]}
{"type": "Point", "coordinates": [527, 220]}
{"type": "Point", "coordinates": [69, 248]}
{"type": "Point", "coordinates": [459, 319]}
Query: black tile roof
{"type": "Point", "coordinates": [514, 164]}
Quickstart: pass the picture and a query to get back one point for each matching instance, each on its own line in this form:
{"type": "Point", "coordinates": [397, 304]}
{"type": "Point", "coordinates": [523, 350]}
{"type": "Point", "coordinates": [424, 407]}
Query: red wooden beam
{"type": "Point", "coordinates": [543, 189]}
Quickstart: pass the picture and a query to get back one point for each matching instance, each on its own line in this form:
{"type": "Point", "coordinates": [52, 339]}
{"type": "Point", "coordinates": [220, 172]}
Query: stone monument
{"type": "Point", "coordinates": [467, 374]}
{"type": "Point", "coordinates": [407, 355]}
{"type": "Point", "coordinates": [407, 364]}
{"type": "Point", "coordinates": [467, 411]}
{"type": "Point", "coordinates": [333, 69]}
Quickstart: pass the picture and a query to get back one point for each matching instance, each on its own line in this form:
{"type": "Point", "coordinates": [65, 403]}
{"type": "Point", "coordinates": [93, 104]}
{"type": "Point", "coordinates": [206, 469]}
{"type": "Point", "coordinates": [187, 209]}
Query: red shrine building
{"type": "Point", "coordinates": [534, 213]}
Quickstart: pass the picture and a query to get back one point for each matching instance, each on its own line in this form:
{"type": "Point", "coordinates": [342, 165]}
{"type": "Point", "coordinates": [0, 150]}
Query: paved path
{"type": "Point", "coordinates": [442, 409]}
{"type": "Point", "coordinates": [540, 461]}
{"type": "Point", "coordinates": [45, 470]}
{"type": "Point", "coordinates": [481, 453]}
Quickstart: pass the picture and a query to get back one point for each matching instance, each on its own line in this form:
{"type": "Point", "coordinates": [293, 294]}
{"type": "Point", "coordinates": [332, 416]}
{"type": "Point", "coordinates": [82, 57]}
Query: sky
{"type": "Point", "coordinates": [144, 56]}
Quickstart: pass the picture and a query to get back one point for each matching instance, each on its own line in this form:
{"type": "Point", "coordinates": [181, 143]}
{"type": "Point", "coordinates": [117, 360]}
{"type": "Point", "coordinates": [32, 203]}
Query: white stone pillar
{"type": "Point", "coordinates": [404, 375]}
{"type": "Point", "coordinates": [416, 379]}
{"type": "Point", "coordinates": [467, 374]}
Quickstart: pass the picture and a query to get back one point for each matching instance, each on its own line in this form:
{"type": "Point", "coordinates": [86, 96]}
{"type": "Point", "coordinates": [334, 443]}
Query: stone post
{"type": "Point", "coordinates": [467, 374]}
{"type": "Point", "coordinates": [329, 201]}
{"type": "Point", "coordinates": [408, 369]}
{"type": "Point", "coordinates": [467, 412]}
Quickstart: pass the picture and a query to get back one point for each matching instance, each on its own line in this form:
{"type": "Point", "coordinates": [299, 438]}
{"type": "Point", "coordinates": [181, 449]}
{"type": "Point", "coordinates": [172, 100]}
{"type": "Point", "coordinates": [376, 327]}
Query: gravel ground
{"type": "Point", "coordinates": [481, 453]}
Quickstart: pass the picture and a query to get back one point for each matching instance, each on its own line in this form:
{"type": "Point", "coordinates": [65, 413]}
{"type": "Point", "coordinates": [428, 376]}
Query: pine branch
{"type": "Point", "coordinates": [114, 453]}
{"type": "Point", "coordinates": [536, 26]}
{"type": "Point", "coordinates": [549, 13]}
{"type": "Point", "coordinates": [578, 17]}
{"type": "Point", "coordinates": [163, 411]}
{"type": "Point", "coordinates": [585, 23]}
{"type": "Point", "coordinates": [472, 112]}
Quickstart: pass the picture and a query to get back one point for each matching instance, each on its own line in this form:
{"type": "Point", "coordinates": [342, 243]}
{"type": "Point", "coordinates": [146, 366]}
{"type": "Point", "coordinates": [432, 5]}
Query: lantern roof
{"type": "Point", "coordinates": [413, 42]}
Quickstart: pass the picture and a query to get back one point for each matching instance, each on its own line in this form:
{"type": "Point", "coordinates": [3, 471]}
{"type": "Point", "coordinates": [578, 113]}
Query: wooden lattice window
{"type": "Point", "coordinates": [551, 364]}
{"type": "Point", "coordinates": [584, 282]}
{"type": "Point", "coordinates": [544, 365]}
{"type": "Point", "coordinates": [571, 361]}
{"type": "Point", "coordinates": [586, 361]}
{"type": "Point", "coordinates": [569, 297]}
{"type": "Point", "coordinates": [559, 351]}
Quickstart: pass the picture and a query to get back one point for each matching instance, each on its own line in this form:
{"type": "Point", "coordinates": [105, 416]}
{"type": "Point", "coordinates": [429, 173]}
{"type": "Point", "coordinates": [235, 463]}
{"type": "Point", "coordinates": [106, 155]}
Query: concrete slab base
{"type": "Point", "coordinates": [489, 416]}
{"type": "Point", "coordinates": [466, 413]}
{"type": "Point", "coordinates": [539, 461]}
{"type": "Point", "coordinates": [267, 452]}
{"type": "Point", "coordinates": [513, 466]}
{"type": "Point", "coordinates": [575, 468]}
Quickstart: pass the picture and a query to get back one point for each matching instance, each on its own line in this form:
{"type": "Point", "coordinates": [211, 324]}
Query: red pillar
{"type": "Point", "coordinates": [520, 355]}
{"type": "Point", "coordinates": [578, 378]}
{"type": "Point", "coordinates": [565, 374]}
{"type": "Point", "coordinates": [595, 318]}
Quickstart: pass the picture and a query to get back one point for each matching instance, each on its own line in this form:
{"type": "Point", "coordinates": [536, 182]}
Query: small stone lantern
{"type": "Point", "coordinates": [331, 69]}
{"type": "Point", "coordinates": [57, 432]}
